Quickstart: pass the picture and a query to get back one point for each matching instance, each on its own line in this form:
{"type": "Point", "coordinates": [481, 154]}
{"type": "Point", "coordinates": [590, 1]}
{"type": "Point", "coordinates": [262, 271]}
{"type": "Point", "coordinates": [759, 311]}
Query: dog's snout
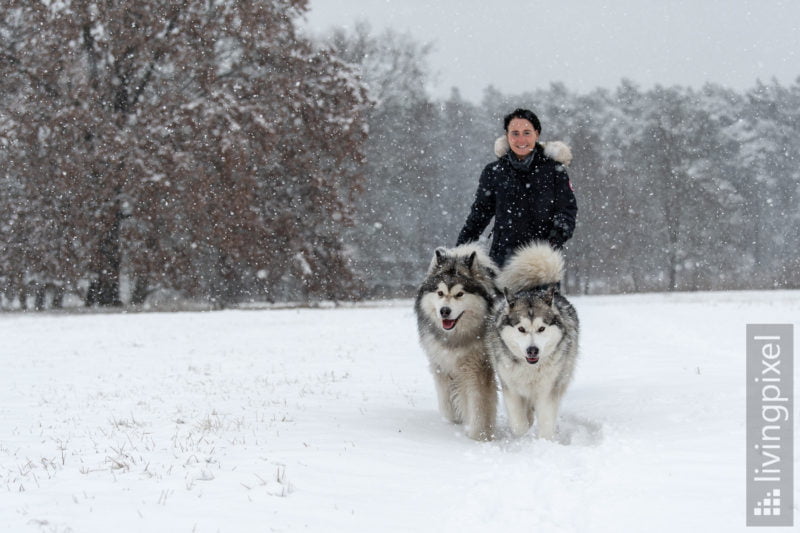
{"type": "Point", "coordinates": [532, 350]}
{"type": "Point", "coordinates": [445, 312]}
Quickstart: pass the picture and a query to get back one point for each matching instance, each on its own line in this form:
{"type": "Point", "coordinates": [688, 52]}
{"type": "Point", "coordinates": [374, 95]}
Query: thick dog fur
{"type": "Point", "coordinates": [532, 339]}
{"type": "Point", "coordinates": [451, 307]}
{"type": "Point", "coordinates": [531, 266]}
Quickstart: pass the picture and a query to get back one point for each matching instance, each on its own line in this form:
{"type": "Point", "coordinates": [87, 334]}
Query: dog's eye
{"type": "Point", "coordinates": [541, 329]}
{"type": "Point", "coordinates": [440, 294]}
{"type": "Point", "coordinates": [459, 295]}
{"type": "Point", "coordinates": [521, 329]}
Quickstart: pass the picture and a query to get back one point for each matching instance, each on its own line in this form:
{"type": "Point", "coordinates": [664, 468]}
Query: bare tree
{"type": "Point", "coordinates": [197, 145]}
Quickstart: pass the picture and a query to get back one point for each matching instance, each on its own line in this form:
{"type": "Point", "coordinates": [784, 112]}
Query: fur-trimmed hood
{"type": "Point", "coordinates": [555, 150]}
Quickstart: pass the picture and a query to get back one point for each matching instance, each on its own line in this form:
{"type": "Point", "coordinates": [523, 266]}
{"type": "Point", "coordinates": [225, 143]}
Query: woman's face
{"type": "Point", "coordinates": [522, 136]}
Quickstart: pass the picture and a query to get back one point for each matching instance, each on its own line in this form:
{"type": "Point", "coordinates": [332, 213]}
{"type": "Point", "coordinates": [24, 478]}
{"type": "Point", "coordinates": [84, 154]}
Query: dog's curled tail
{"type": "Point", "coordinates": [531, 266]}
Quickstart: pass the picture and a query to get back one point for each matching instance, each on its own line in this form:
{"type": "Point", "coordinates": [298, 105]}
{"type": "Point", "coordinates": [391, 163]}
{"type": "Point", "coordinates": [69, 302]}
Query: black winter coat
{"type": "Point", "coordinates": [533, 202]}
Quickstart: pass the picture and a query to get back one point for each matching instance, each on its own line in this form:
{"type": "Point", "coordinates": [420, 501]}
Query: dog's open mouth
{"type": "Point", "coordinates": [450, 323]}
{"type": "Point", "coordinates": [532, 359]}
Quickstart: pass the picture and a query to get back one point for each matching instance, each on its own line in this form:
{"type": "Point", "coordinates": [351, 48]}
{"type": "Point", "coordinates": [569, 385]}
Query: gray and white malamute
{"type": "Point", "coordinates": [532, 338]}
{"type": "Point", "coordinates": [451, 307]}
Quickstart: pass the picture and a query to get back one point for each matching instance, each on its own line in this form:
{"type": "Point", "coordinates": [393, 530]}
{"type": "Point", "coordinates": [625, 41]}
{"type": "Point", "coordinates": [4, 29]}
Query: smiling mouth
{"type": "Point", "coordinates": [532, 359]}
{"type": "Point", "coordinates": [450, 323]}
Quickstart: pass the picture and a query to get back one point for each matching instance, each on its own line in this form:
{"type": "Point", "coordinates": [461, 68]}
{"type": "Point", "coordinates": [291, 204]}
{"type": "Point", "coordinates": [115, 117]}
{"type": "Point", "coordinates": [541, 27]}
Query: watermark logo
{"type": "Point", "coordinates": [770, 431]}
{"type": "Point", "coordinates": [770, 505]}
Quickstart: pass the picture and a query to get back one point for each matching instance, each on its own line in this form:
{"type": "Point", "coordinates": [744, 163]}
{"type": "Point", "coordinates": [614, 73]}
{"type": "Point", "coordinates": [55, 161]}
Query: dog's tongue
{"type": "Point", "coordinates": [448, 324]}
{"type": "Point", "coordinates": [533, 360]}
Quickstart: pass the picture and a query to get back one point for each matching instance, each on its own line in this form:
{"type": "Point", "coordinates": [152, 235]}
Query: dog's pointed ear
{"type": "Point", "coordinates": [440, 254]}
{"type": "Point", "coordinates": [509, 298]}
{"type": "Point", "coordinates": [469, 261]}
{"type": "Point", "coordinates": [550, 294]}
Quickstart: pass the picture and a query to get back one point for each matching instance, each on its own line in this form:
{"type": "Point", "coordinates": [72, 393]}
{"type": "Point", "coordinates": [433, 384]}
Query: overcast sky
{"type": "Point", "coordinates": [525, 44]}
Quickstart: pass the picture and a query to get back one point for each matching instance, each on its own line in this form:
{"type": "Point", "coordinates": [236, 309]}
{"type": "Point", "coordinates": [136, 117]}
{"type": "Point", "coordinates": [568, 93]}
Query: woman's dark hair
{"type": "Point", "coordinates": [526, 114]}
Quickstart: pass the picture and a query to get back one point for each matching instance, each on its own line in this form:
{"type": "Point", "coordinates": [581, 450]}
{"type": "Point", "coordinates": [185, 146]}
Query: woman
{"type": "Point", "coordinates": [526, 191]}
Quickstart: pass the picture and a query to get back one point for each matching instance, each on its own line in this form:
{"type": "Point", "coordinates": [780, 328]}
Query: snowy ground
{"type": "Point", "coordinates": [325, 420]}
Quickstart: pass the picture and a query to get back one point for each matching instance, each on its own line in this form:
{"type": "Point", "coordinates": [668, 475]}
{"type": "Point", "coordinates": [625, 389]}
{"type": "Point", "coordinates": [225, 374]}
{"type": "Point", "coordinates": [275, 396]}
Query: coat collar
{"type": "Point", "coordinates": [523, 164]}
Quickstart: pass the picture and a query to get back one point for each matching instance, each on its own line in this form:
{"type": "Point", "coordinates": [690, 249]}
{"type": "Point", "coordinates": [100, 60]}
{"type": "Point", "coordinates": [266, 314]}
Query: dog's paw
{"type": "Point", "coordinates": [519, 425]}
{"type": "Point", "coordinates": [480, 434]}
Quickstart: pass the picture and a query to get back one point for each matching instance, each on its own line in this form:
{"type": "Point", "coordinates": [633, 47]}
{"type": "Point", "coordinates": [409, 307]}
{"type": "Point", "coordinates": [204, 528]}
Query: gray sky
{"type": "Point", "coordinates": [525, 44]}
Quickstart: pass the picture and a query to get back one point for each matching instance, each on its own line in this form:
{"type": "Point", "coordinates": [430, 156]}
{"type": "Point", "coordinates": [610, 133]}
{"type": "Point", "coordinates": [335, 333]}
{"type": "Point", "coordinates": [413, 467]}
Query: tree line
{"type": "Point", "coordinates": [678, 189]}
{"type": "Point", "coordinates": [209, 151]}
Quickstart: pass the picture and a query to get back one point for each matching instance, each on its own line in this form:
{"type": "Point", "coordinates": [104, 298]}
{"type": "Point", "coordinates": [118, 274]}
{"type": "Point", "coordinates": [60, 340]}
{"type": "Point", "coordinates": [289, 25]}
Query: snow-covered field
{"type": "Point", "coordinates": [325, 420]}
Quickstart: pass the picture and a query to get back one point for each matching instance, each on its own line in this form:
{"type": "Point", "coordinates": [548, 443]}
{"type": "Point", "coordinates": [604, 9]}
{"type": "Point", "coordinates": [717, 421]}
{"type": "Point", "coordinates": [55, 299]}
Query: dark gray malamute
{"type": "Point", "coordinates": [532, 339]}
{"type": "Point", "coordinates": [451, 307]}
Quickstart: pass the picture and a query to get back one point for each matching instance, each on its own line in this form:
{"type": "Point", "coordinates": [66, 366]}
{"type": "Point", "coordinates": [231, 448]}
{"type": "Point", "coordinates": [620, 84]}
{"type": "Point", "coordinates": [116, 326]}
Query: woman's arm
{"type": "Point", "coordinates": [482, 209]}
